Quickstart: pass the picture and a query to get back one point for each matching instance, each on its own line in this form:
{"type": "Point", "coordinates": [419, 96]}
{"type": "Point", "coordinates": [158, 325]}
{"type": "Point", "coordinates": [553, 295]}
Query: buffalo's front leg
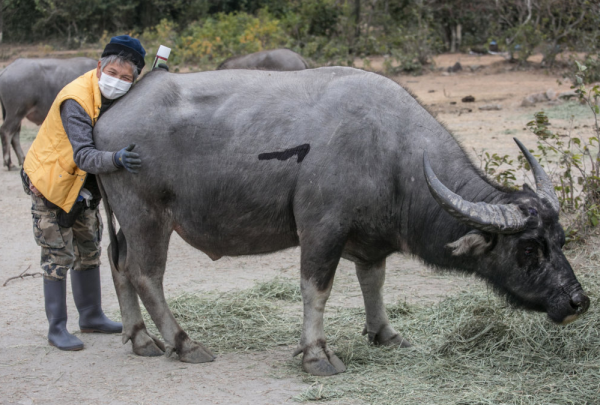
{"type": "Point", "coordinates": [134, 328]}
{"type": "Point", "coordinates": [146, 260]}
{"type": "Point", "coordinates": [371, 278]}
{"type": "Point", "coordinates": [318, 265]}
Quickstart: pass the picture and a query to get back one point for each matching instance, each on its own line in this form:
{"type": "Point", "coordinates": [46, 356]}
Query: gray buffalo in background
{"type": "Point", "coordinates": [27, 89]}
{"type": "Point", "coordinates": [276, 59]}
{"type": "Point", "coordinates": [338, 161]}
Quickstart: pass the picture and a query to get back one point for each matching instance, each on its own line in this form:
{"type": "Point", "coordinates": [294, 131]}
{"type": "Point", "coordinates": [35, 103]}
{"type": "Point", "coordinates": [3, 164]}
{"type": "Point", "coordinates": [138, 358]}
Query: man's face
{"type": "Point", "coordinates": [122, 72]}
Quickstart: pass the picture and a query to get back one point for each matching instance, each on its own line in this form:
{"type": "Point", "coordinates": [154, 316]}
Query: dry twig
{"type": "Point", "coordinates": [22, 276]}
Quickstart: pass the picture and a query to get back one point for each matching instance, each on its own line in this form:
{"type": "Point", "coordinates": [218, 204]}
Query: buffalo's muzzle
{"type": "Point", "coordinates": [580, 302]}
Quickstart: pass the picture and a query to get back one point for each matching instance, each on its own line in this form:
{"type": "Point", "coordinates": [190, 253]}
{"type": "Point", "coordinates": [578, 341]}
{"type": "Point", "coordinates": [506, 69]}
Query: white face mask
{"type": "Point", "coordinates": [111, 87]}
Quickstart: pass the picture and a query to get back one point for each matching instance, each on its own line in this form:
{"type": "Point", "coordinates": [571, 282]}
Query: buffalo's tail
{"type": "Point", "coordinates": [113, 255]}
{"type": "Point", "coordinates": [1, 102]}
{"type": "Point", "coordinates": [3, 108]}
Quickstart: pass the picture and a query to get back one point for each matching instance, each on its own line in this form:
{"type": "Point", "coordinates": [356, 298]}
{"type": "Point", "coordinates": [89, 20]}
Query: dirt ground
{"type": "Point", "coordinates": [107, 372]}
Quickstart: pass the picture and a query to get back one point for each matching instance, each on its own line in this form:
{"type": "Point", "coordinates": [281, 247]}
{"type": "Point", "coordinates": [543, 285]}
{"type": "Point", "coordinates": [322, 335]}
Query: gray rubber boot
{"type": "Point", "coordinates": [87, 296]}
{"type": "Point", "coordinates": [55, 297]}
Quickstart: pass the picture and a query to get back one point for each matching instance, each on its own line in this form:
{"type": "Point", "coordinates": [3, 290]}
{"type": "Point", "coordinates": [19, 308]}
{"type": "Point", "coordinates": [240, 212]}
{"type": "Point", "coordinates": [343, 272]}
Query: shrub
{"type": "Point", "coordinates": [574, 161]}
{"type": "Point", "coordinates": [217, 38]}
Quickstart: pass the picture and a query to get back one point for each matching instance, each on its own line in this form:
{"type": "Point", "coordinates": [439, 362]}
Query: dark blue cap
{"type": "Point", "coordinates": [126, 46]}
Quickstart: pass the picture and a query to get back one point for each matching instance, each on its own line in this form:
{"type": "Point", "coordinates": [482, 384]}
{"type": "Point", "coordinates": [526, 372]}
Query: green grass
{"type": "Point", "coordinates": [469, 348]}
{"type": "Point", "coordinates": [567, 110]}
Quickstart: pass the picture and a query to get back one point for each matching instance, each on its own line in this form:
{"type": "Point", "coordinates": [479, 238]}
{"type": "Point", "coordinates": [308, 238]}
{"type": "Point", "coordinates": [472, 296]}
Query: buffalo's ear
{"type": "Point", "coordinates": [474, 243]}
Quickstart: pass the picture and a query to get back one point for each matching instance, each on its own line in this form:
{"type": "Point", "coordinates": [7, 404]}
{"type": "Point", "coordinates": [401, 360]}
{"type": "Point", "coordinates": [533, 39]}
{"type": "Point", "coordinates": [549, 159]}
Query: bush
{"type": "Point", "coordinates": [574, 161]}
{"type": "Point", "coordinates": [217, 38]}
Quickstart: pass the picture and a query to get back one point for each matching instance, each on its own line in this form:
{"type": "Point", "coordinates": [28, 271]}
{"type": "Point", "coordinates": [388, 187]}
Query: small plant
{"type": "Point", "coordinates": [500, 168]}
{"type": "Point", "coordinates": [573, 162]}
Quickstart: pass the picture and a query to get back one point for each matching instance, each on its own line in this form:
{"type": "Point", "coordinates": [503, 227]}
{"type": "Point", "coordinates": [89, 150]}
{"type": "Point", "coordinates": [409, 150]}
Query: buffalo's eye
{"type": "Point", "coordinates": [528, 253]}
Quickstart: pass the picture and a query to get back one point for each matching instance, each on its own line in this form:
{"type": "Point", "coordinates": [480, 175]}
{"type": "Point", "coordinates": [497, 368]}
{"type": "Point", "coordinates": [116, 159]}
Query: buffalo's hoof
{"type": "Point", "coordinates": [396, 340]}
{"type": "Point", "coordinates": [386, 336]}
{"type": "Point", "coordinates": [147, 345]}
{"type": "Point", "coordinates": [320, 361]}
{"type": "Point", "coordinates": [195, 353]}
{"type": "Point", "coordinates": [324, 367]}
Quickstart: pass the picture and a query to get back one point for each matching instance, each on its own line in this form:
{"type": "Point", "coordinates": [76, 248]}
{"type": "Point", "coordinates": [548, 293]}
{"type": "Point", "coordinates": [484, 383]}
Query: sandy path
{"type": "Point", "coordinates": [107, 372]}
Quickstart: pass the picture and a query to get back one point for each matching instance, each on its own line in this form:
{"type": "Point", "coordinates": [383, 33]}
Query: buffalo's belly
{"type": "Point", "coordinates": [241, 228]}
{"type": "Point", "coordinates": [242, 242]}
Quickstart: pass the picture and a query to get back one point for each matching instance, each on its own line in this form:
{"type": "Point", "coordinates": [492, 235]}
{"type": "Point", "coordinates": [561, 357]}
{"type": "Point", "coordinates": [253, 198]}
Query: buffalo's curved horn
{"type": "Point", "coordinates": [494, 218]}
{"type": "Point", "coordinates": [543, 184]}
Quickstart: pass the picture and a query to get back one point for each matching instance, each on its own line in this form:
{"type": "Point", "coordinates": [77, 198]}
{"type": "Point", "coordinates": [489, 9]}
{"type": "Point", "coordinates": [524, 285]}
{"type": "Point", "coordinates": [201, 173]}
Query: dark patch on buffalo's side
{"type": "Point", "coordinates": [166, 196]}
{"type": "Point", "coordinates": [301, 151]}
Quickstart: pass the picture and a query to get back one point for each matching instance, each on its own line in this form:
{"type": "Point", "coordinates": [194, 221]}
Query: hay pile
{"type": "Point", "coordinates": [248, 320]}
{"type": "Point", "coordinates": [468, 349]}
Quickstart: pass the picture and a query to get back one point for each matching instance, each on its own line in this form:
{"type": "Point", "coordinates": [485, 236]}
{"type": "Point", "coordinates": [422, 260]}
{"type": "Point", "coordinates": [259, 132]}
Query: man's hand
{"type": "Point", "coordinates": [128, 159]}
{"type": "Point", "coordinates": [34, 190]}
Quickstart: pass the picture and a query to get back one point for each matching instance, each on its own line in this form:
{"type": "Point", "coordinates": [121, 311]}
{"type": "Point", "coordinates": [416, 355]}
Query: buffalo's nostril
{"type": "Point", "coordinates": [580, 303]}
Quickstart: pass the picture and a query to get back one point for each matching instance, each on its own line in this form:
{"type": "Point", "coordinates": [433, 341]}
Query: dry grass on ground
{"type": "Point", "coordinates": [469, 348]}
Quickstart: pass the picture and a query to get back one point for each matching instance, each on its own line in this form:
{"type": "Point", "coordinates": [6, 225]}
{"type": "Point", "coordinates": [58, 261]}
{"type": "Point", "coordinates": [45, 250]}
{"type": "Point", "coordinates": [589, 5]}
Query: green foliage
{"type": "Point", "coordinates": [19, 17]}
{"type": "Point", "coordinates": [320, 17]}
{"type": "Point", "coordinates": [408, 32]}
{"type": "Point", "coordinates": [500, 168]}
{"type": "Point", "coordinates": [474, 18]}
{"type": "Point", "coordinates": [322, 30]}
{"type": "Point", "coordinates": [217, 38]}
{"type": "Point", "coordinates": [79, 21]}
{"type": "Point", "coordinates": [573, 161]}
{"type": "Point", "coordinates": [591, 73]}
{"type": "Point", "coordinates": [559, 22]}
{"type": "Point", "coordinates": [526, 39]}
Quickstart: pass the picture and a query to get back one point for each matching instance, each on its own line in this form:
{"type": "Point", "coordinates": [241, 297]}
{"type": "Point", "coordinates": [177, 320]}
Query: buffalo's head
{"type": "Point", "coordinates": [518, 245]}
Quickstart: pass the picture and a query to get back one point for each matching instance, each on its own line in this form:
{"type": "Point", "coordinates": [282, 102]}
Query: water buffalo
{"type": "Point", "coordinates": [276, 59]}
{"type": "Point", "coordinates": [27, 89]}
{"type": "Point", "coordinates": [336, 160]}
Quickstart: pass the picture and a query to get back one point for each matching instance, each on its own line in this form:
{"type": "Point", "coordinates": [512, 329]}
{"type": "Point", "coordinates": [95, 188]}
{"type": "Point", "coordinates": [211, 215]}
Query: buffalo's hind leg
{"type": "Point", "coordinates": [134, 328]}
{"type": "Point", "coordinates": [380, 332]}
{"type": "Point", "coordinates": [146, 260]}
{"type": "Point", "coordinates": [320, 256]}
{"type": "Point", "coordinates": [10, 134]}
{"type": "Point", "coordinates": [16, 144]}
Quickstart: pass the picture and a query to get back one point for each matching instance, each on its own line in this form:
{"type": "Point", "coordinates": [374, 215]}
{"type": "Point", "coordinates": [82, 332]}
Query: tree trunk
{"type": "Point", "coordinates": [357, 18]}
{"type": "Point", "coordinates": [453, 39]}
{"type": "Point", "coordinates": [459, 34]}
{"type": "Point", "coordinates": [356, 35]}
{"type": "Point", "coordinates": [1, 19]}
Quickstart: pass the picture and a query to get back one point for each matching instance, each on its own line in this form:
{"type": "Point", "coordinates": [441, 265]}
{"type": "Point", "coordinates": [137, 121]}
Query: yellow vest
{"type": "Point", "coordinates": [49, 162]}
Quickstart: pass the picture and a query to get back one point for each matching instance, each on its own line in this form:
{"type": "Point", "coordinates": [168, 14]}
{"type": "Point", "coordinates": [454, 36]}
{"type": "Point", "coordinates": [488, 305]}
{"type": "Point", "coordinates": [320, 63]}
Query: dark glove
{"type": "Point", "coordinates": [162, 66]}
{"type": "Point", "coordinates": [67, 219]}
{"type": "Point", "coordinates": [128, 159]}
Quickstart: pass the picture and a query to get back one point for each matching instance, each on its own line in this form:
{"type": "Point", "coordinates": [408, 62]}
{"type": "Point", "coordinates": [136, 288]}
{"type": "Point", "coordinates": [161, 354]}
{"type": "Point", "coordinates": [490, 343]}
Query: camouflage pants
{"type": "Point", "coordinates": [66, 248]}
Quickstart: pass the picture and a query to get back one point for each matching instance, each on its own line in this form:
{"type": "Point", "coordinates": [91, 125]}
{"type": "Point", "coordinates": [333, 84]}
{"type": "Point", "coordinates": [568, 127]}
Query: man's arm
{"type": "Point", "coordinates": [79, 129]}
